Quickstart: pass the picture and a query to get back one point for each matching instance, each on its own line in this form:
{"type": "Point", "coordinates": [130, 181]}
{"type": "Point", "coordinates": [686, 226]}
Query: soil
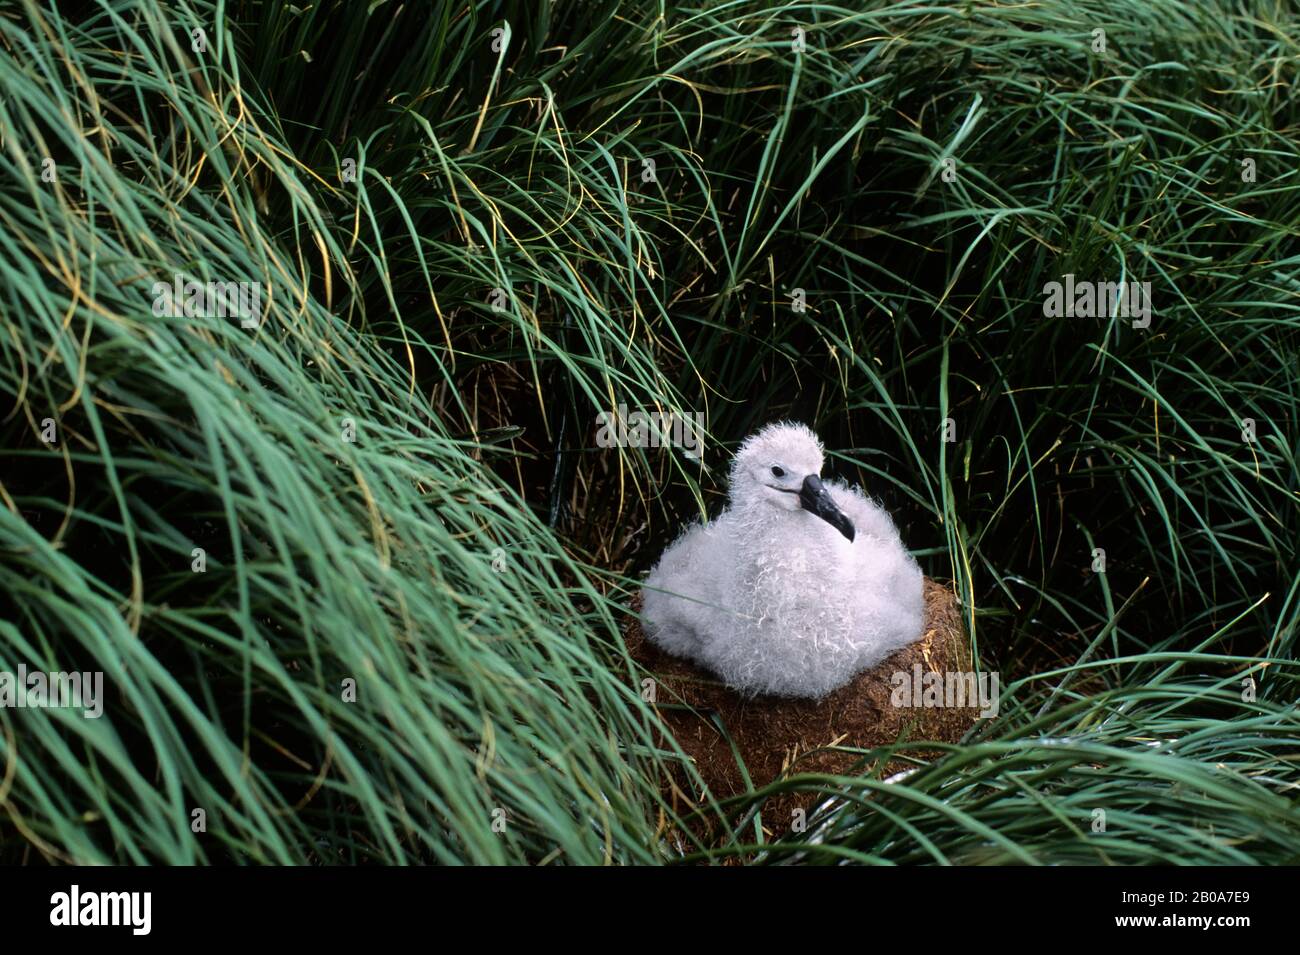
{"type": "Point", "coordinates": [775, 737]}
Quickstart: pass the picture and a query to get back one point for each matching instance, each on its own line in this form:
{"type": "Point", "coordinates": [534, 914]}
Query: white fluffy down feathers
{"type": "Point", "coordinates": [777, 595]}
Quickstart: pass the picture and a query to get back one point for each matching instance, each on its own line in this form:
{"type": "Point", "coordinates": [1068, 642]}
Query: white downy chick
{"type": "Point", "coordinates": [796, 587]}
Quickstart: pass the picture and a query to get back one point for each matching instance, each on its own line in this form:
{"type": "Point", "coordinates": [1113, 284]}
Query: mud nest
{"type": "Point", "coordinates": [776, 737]}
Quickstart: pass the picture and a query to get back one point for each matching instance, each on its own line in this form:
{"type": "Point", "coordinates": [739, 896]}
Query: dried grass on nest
{"type": "Point", "coordinates": [776, 737]}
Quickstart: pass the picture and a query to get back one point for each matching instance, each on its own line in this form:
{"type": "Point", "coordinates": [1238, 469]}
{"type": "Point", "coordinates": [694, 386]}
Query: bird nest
{"type": "Point", "coordinates": [774, 737]}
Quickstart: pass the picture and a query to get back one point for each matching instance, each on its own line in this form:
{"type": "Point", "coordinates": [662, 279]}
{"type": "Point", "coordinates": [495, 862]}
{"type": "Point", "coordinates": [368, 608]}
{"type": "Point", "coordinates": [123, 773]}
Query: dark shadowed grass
{"type": "Point", "coordinates": [614, 205]}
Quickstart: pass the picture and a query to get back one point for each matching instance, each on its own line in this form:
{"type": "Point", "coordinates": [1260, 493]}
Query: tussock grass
{"type": "Point", "coordinates": [524, 170]}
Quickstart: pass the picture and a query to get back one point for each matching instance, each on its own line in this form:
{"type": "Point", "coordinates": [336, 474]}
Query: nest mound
{"type": "Point", "coordinates": [776, 737]}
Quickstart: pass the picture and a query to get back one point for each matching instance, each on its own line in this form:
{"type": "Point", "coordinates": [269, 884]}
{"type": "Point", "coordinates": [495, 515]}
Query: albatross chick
{"type": "Point", "coordinates": [796, 587]}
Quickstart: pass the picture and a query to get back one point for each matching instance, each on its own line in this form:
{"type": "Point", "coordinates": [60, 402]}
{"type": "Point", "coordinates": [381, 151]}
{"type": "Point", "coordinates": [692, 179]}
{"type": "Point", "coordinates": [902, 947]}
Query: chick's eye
{"type": "Point", "coordinates": [777, 471]}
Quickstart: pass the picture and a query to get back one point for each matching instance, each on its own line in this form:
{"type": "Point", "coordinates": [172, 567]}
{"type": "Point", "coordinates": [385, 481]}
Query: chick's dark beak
{"type": "Point", "coordinates": [816, 499]}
